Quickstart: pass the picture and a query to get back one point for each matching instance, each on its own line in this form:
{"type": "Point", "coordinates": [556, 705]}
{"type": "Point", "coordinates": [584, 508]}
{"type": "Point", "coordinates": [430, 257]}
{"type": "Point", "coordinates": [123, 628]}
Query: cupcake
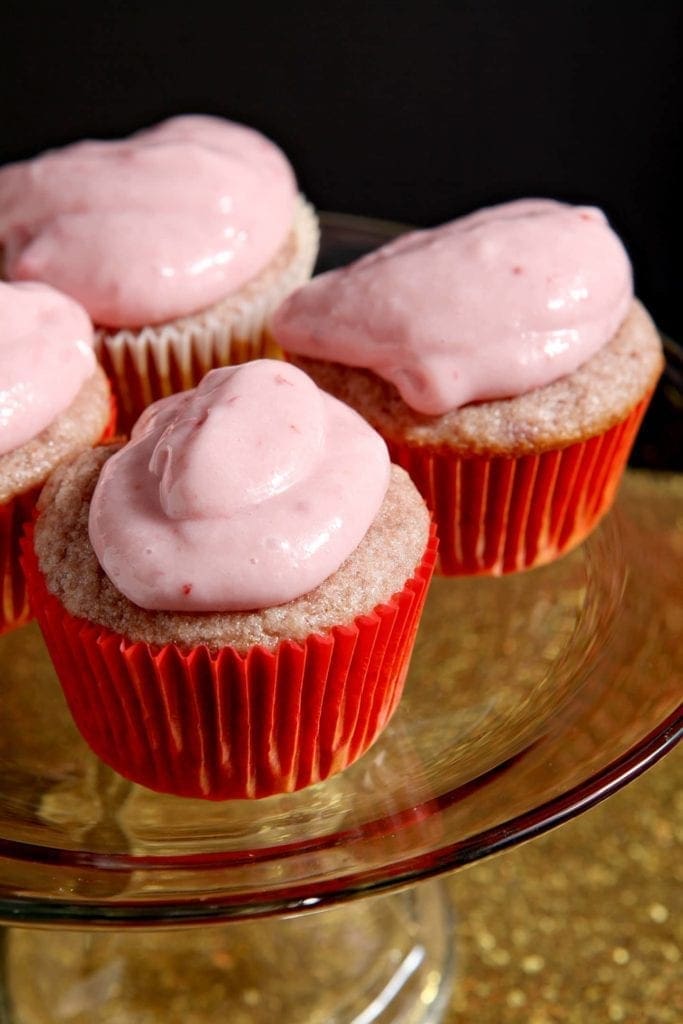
{"type": "Point", "coordinates": [231, 599]}
{"type": "Point", "coordinates": [54, 401]}
{"type": "Point", "coordinates": [178, 241]}
{"type": "Point", "coordinates": [506, 363]}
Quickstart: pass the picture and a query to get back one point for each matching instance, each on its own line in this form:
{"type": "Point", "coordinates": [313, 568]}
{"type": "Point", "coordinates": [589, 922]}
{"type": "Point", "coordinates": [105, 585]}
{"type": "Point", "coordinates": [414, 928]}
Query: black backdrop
{"type": "Point", "coordinates": [408, 111]}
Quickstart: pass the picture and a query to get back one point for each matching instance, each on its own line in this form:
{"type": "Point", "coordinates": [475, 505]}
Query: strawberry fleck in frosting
{"type": "Point", "coordinates": [491, 305]}
{"type": "Point", "coordinates": [244, 493]}
{"type": "Point", "coordinates": [46, 355]}
{"type": "Point", "coordinates": [153, 227]}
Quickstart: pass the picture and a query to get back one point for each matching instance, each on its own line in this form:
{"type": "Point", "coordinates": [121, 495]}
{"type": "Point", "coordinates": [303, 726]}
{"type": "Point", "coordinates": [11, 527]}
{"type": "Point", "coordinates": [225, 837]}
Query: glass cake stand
{"type": "Point", "coordinates": [529, 699]}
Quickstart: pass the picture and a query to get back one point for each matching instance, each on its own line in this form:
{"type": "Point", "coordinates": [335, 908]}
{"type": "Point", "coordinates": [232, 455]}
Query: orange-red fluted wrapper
{"type": "Point", "coordinates": [225, 725]}
{"type": "Point", "coordinates": [497, 514]}
{"type": "Point", "coordinates": [14, 515]}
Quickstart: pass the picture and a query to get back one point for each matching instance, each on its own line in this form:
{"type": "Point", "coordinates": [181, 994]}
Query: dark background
{"type": "Point", "coordinates": [409, 111]}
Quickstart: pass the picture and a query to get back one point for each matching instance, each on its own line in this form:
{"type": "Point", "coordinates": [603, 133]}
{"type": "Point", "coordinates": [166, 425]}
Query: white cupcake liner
{"type": "Point", "coordinates": [155, 361]}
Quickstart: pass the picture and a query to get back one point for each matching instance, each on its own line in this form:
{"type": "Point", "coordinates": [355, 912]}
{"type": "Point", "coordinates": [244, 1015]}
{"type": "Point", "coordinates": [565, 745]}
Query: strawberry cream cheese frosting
{"type": "Point", "coordinates": [46, 355]}
{"type": "Point", "coordinates": [153, 227]}
{"type": "Point", "coordinates": [491, 305]}
{"type": "Point", "coordinates": [244, 493]}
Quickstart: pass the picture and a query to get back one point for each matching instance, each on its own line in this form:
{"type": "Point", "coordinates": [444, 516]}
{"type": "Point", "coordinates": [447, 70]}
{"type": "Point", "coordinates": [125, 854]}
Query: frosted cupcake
{"type": "Point", "coordinates": [179, 241]}
{"type": "Point", "coordinates": [506, 363]}
{"type": "Point", "coordinates": [54, 401]}
{"type": "Point", "coordinates": [231, 599]}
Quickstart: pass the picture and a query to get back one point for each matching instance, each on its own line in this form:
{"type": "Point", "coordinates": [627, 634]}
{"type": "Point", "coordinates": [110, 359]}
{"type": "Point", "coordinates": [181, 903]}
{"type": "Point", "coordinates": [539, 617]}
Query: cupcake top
{"type": "Point", "coordinates": [153, 227]}
{"type": "Point", "coordinates": [46, 355]}
{"type": "Point", "coordinates": [246, 492]}
{"type": "Point", "coordinates": [573, 408]}
{"type": "Point", "coordinates": [489, 306]}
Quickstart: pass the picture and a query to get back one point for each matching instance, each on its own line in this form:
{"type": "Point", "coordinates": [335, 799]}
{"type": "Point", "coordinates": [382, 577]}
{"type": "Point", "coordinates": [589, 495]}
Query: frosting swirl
{"type": "Point", "coordinates": [244, 493]}
{"type": "Point", "coordinates": [152, 227]}
{"type": "Point", "coordinates": [489, 306]}
{"type": "Point", "coordinates": [46, 355]}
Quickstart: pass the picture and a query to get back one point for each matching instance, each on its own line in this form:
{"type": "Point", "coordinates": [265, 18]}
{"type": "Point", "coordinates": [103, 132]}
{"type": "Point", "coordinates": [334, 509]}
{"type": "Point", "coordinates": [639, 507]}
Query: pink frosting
{"type": "Point", "coordinates": [153, 227]}
{"type": "Point", "coordinates": [488, 306]}
{"type": "Point", "coordinates": [46, 355]}
{"type": "Point", "coordinates": [244, 493]}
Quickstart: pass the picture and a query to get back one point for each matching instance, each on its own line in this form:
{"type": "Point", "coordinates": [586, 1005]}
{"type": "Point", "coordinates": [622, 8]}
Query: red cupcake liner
{"type": "Point", "coordinates": [14, 515]}
{"type": "Point", "coordinates": [224, 725]}
{"type": "Point", "coordinates": [496, 515]}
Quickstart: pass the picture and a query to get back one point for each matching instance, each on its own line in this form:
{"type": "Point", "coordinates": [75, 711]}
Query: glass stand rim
{"type": "Point", "coordinates": [581, 721]}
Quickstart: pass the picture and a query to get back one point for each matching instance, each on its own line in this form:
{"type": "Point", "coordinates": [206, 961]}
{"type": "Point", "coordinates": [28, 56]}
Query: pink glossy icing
{"type": "Point", "coordinates": [244, 493]}
{"type": "Point", "coordinates": [46, 355]}
{"type": "Point", "coordinates": [153, 227]}
{"type": "Point", "coordinates": [488, 306]}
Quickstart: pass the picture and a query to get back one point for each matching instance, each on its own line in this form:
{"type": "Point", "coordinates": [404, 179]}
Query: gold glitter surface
{"type": "Point", "coordinates": [584, 924]}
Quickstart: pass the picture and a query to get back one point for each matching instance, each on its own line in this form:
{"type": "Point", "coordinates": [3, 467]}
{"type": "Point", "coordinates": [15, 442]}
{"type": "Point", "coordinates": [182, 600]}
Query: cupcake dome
{"type": "Point", "coordinates": [54, 401]}
{"type": "Point", "coordinates": [178, 241]}
{"type": "Point", "coordinates": [505, 362]}
{"type": "Point", "coordinates": [225, 639]}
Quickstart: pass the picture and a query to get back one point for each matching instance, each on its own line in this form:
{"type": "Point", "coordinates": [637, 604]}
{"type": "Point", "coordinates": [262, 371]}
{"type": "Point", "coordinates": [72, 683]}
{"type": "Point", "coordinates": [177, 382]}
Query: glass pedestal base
{"type": "Point", "coordinates": [384, 960]}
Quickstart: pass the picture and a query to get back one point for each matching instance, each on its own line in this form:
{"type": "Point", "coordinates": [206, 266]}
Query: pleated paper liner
{"type": "Point", "coordinates": [150, 363]}
{"type": "Point", "coordinates": [226, 725]}
{"type": "Point", "coordinates": [496, 515]}
{"type": "Point", "coordinates": [14, 515]}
